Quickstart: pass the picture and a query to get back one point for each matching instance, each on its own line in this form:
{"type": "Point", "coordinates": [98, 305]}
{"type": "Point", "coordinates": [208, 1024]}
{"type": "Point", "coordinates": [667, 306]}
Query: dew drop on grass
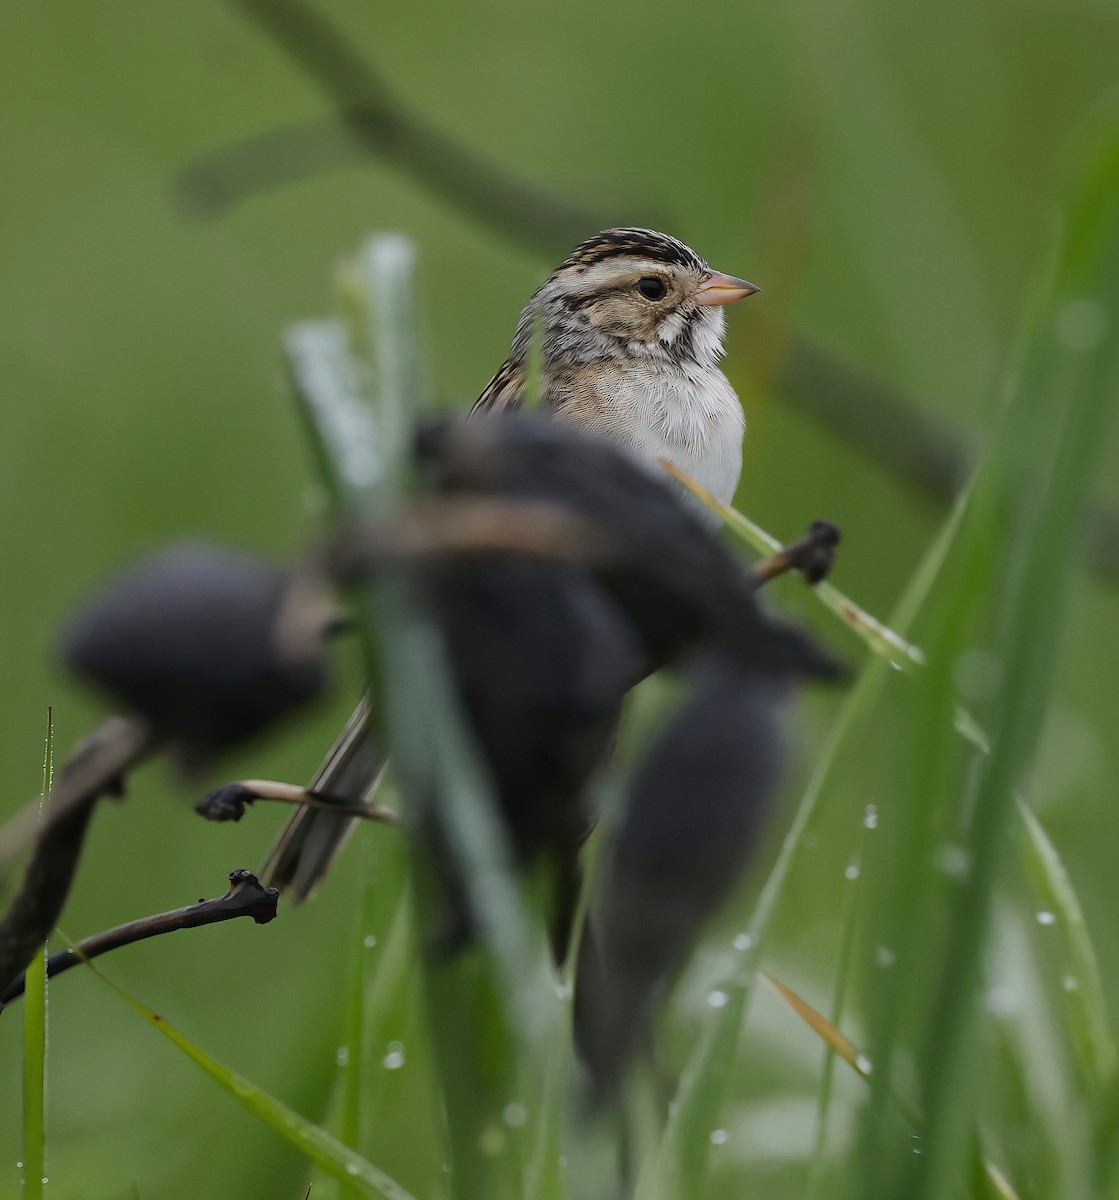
{"type": "Point", "coordinates": [718, 1137]}
{"type": "Point", "coordinates": [884, 957]}
{"type": "Point", "coordinates": [952, 860]}
{"type": "Point", "coordinates": [1070, 983]}
{"type": "Point", "coordinates": [1002, 1000]}
{"type": "Point", "coordinates": [742, 941]}
{"type": "Point", "coordinates": [352, 1168]}
{"type": "Point", "coordinates": [515, 1115]}
{"type": "Point", "coordinates": [717, 999]}
{"type": "Point", "coordinates": [370, 941]}
{"type": "Point", "coordinates": [342, 1056]}
{"type": "Point", "coordinates": [870, 817]}
{"type": "Point", "coordinates": [851, 871]}
{"type": "Point", "coordinates": [394, 1059]}
{"type": "Point", "coordinates": [1045, 918]}
{"type": "Point", "coordinates": [863, 1064]}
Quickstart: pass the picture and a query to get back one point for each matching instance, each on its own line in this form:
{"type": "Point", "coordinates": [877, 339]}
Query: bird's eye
{"type": "Point", "coordinates": [651, 287]}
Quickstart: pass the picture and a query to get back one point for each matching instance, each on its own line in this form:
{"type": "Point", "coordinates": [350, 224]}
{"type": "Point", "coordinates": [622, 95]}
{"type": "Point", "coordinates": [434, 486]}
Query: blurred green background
{"type": "Point", "coordinates": [888, 174]}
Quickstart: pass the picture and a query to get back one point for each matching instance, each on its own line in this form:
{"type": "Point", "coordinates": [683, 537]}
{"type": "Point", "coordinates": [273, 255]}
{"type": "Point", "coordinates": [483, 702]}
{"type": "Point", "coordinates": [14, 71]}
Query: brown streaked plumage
{"type": "Point", "coordinates": [629, 328]}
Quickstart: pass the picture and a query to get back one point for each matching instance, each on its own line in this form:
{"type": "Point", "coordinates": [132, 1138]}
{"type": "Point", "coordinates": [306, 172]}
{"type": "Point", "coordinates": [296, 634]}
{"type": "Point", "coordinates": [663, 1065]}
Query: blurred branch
{"type": "Point", "coordinates": [874, 418]}
{"type": "Point", "coordinates": [96, 767]}
{"type": "Point", "coordinates": [881, 423]}
{"type": "Point", "coordinates": [245, 898]}
{"type": "Point", "coordinates": [383, 128]}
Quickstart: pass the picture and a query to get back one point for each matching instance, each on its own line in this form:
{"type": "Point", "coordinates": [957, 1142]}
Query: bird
{"type": "Point", "coordinates": [627, 335]}
{"type": "Point", "coordinates": [630, 332]}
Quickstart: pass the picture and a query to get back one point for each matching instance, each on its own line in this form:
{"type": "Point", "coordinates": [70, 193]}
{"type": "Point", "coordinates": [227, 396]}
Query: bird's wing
{"type": "Point", "coordinates": [503, 392]}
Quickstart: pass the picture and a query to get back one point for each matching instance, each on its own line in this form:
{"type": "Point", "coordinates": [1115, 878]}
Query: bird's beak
{"type": "Point", "coordinates": [723, 289]}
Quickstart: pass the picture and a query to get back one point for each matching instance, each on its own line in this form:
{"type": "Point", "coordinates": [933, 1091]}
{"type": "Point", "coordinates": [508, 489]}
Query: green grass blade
{"type": "Point", "coordinates": [840, 1046]}
{"type": "Point", "coordinates": [362, 388]}
{"type": "Point", "coordinates": [325, 1151]}
{"type": "Point", "coordinates": [1081, 988]}
{"type": "Point", "coordinates": [1013, 565]}
{"type": "Point", "coordinates": [35, 1036]}
{"type": "Point", "coordinates": [879, 637]}
{"type": "Point", "coordinates": [685, 1146]}
{"type": "Point", "coordinates": [338, 420]}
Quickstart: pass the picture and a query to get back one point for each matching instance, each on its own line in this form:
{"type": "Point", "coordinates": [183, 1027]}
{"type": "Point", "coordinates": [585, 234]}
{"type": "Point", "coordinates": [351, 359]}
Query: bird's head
{"type": "Point", "coordinates": [633, 292]}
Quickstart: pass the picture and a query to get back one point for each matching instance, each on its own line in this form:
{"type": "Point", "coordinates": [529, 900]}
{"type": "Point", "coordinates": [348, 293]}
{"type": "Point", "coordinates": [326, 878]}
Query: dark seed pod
{"type": "Point", "coordinates": [690, 822]}
{"type": "Point", "coordinates": [676, 582]}
{"type": "Point", "coordinates": [542, 659]}
{"type": "Point", "coordinates": [209, 645]}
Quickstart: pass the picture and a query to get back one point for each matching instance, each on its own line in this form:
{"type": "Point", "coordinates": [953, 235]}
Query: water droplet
{"type": "Point", "coordinates": [1082, 325]}
{"type": "Point", "coordinates": [863, 1064]}
{"type": "Point", "coordinates": [1070, 983]}
{"type": "Point", "coordinates": [352, 1168]}
{"type": "Point", "coordinates": [851, 871]}
{"type": "Point", "coordinates": [342, 1056]}
{"type": "Point", "coordinates": [870, 817]}
{"type": "Point", "coordinates": [19, 1164]}
{"type": "Point", "coordinates": [952, 860]}
{"type": "Point", "coordinates": [563, 990]}
{"type": "Point", "coordinates": [1045, 918]}
{"type": "Point", "coordinates": [917, 1147]}
{"type": "Point", "coordinates": [370, 941]}
{"type": "Point", "coordinates": [884, 957]}
{"type": "Point", "coordinates": [394, 1059]}
{"type": "Point", "coordinates": [515, 1115]}
{"type": "Point", "coordinates": [717, 999]}
{"type": "Point", "coordinates": [742, 941]}
{"type": "Point", "coordinates": [1002, 1000]}
{"type": "Point", "coordinates": [718, 1137]}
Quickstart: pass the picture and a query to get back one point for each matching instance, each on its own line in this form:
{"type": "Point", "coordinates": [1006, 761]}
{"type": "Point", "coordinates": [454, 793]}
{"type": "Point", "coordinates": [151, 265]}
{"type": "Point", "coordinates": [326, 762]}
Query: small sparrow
{"type": "Point", "coordinates": [630, 333]}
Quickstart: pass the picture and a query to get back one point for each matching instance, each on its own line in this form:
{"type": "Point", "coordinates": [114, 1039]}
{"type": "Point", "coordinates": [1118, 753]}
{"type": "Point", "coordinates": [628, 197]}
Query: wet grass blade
{"type": "Point", "coordinates": [1009, 585]}
{"type": "Point", "coordinates": [329, 1154]}
{"type": "Point", "coordinates": [1081, 988]}
{"type": "Point", "coordinates": [35, 1036]}
{"type": "Point", "coordinates": [845, 1049]}
{"type": "Point", "coordinates": [682, 1158]}
{"type": "Point", "coordinates": [879, 637]}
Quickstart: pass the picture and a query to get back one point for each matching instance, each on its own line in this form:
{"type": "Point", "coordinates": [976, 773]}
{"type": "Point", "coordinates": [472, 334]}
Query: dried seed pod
{"type": "Point", "coordinates": [676, 582]}
{"type": "Point", "coordinates": [689, 824]}
{"type": "Point", "coordinates": [209, 645]}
